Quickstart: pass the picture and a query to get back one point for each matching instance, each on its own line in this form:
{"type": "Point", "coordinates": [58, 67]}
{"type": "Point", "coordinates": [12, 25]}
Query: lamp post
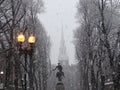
{"type": "Point", "coordinates": [31, 41]}
{"type": "Point", "coordinates": [26, 51]}
{"type": "Point", "coordinates": [1, 77]}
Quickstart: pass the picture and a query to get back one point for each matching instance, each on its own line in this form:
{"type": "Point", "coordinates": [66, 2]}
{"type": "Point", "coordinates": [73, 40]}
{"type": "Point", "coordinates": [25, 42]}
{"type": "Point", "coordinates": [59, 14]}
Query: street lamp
{"type": "Point", "coordinates": [1, 77]}
{"type": "Point", "coordinates": [26, 51]}
{"type": "Point", "coordinates": [1, 72]}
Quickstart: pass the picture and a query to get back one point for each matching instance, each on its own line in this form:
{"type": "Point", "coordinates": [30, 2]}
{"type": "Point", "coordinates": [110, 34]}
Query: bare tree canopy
{"type": "Point", "coordinates": [21, 16]}
{"type": "Point", "coordinates": [97, 44]}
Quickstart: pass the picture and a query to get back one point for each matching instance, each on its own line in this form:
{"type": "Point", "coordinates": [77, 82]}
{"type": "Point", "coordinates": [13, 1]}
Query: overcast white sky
{"type": "Point", "coordinates": [58, 12]}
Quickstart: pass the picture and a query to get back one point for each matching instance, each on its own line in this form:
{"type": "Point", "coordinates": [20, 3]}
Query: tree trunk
{"type": "Point", "coordinates": [93, 80]}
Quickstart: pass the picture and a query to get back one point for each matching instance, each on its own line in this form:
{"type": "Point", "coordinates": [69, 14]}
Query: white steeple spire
{"type": "Point", "coordinates": [63, 57]}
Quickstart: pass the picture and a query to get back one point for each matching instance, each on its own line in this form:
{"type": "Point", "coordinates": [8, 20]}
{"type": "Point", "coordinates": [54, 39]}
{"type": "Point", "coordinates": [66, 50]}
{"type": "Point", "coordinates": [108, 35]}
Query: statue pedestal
{"type": "Point", "coordinates": [60, 86]}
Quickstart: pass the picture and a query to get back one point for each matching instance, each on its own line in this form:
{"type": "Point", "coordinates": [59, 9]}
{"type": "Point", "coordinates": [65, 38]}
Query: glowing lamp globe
{"type": "Point", "coordinates": [1, 72]}
{"type": "Point", "coordinates": [21, 38]}
{"type": "Point", "coordinates": [31, 39]}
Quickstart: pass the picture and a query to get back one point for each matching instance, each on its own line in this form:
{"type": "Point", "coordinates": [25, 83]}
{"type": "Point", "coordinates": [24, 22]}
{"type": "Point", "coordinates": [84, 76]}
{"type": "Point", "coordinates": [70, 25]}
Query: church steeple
{"type": "Point", "coordinates": [63, 57]}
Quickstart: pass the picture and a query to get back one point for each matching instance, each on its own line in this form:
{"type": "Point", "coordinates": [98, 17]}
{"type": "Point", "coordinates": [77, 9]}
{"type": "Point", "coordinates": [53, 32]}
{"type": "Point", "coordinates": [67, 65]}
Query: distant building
{"type": "Point", "coordinates": [63, 57]}
{"type": "Point", "coordinates": [69, 70]}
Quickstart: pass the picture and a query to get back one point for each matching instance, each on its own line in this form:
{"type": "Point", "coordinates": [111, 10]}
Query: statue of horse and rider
{"type": "Point", "coordinates": [60, 73]}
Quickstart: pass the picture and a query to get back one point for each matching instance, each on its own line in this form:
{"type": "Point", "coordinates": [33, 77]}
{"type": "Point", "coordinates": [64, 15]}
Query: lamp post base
{"type": "Point", "coordinates": [60, 86]}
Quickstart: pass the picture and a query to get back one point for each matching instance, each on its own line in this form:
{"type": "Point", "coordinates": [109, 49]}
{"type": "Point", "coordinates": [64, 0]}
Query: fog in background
{"type": "Point", "coordinates": [60, 13]}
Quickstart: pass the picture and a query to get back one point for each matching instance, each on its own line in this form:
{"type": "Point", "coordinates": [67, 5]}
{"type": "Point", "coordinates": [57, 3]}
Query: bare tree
{"type": "Point", "coordinates": [99, 39]}
{"type": "Point", "coordinates": [21, 16]}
